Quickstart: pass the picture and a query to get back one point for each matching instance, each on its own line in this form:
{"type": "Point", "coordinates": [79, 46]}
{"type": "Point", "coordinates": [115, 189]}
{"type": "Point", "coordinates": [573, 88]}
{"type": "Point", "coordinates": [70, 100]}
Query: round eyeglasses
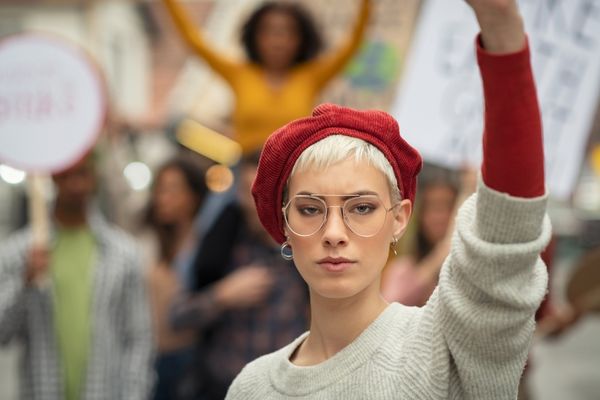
{"type": "Point", "coordinates": [364, 215]}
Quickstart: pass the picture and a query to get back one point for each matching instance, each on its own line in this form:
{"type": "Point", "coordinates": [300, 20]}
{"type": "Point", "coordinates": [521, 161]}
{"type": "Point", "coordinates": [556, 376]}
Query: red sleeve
{"type": "Point", "coordinates": [513, 153]}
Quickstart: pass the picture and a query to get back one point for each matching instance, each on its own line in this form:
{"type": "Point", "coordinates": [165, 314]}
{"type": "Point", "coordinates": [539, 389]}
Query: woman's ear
{"type": "Point", "coordinates": [286, 232]}
{"type": "Point", "coordinates": [402, 213]}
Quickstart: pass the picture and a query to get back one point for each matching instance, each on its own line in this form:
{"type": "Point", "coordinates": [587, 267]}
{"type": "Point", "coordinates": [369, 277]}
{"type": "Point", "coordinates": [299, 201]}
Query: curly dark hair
{"type": "Point", "coordinates": [311, 42]}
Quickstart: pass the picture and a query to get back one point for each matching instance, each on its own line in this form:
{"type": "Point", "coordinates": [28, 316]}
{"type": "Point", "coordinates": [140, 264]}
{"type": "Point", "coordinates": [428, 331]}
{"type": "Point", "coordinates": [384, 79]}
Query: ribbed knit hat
{"type": "Point", "coordinates": [286, 144]}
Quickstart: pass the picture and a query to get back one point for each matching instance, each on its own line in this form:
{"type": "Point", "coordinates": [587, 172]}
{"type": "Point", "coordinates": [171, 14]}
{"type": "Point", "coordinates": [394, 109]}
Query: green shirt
{"type": "Point", "coordinates": [71, 270]}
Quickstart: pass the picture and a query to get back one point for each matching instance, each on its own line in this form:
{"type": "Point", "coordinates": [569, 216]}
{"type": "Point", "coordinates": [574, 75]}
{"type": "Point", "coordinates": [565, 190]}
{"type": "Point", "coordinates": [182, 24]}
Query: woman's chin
{"type": "Point", "coordinates": [336, 290]}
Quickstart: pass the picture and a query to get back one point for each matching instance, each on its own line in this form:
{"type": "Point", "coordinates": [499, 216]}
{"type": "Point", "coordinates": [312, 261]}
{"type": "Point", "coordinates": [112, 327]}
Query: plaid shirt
{"type": "Point", "coordinates": [229, 339]}
{"type": "Point", "coordinates": [119, 363]}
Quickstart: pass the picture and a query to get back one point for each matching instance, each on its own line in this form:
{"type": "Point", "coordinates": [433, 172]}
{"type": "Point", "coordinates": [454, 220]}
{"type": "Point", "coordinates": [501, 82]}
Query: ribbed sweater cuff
{"type": "Point", "coordinates": [502, 218]}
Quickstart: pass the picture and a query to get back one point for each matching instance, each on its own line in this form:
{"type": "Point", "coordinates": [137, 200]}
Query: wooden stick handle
{"type": "Point", "coordinates": [38, 215]}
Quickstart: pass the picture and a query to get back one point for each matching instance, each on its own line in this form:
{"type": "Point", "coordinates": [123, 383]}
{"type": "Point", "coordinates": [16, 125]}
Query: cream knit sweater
{"type": "Point", "coordinates": [469, 342]}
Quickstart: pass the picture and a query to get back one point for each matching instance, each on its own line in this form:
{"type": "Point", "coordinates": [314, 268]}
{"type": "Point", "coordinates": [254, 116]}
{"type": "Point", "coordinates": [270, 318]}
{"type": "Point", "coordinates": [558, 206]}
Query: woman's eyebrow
{"type": "Point", "coordinates": [343, 196]}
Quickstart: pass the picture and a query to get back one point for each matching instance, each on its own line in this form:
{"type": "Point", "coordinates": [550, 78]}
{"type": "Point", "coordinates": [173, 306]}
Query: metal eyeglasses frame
{"type": "Point", "coordinates": [318, 197]}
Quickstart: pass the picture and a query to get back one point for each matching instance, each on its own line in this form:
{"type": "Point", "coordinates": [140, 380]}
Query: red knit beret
{"type": "Point", "coordinates": [286, 144]}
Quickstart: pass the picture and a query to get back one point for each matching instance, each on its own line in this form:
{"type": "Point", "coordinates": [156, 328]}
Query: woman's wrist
{"type": "Point", "coordinates": [502, 27]}
{"type": "Point", "coordinates": [503, 40]}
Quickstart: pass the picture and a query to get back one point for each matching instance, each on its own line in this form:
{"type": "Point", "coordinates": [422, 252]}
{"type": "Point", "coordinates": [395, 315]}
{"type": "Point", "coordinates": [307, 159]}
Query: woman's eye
{"type": "Point", "coordinates": [309, 210]}
{"type": "Point", "coordinates": [362, 209]}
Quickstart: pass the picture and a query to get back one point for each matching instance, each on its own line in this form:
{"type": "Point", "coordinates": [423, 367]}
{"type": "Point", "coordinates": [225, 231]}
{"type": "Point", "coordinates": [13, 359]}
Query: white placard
{"type": "Point", "coordinates": [439, 104]}
{"type": "Point", "coordinates": [52, 103]}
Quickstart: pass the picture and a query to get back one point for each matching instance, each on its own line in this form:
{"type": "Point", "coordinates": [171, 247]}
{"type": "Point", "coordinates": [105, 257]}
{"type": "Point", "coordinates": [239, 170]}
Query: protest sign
{"type": "Point", "coordinates": [439, 102]}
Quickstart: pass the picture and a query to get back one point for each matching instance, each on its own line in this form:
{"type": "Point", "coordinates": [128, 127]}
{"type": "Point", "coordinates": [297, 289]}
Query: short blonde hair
{"type": "Point", "coordinates": [337, 148]}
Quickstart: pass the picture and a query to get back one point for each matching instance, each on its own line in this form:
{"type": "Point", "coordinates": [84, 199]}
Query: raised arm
{"type": "Point", "coordinates": [329, 65]}
{"type": "Point", "coordinates": [193, 38]}
{"type": "Point", "coordinates": [513, 157]}
{"type": "Point", "coordinates": [494, 280]}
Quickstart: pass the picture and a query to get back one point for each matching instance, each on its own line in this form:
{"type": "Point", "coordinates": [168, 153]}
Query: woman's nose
{"type": "Point", "coordinates": [335, 231]}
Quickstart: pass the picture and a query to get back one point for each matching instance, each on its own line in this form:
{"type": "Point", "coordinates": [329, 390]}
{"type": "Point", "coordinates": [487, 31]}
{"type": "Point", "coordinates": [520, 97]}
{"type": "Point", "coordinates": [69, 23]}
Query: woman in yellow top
{"type": "Point", "coordinates": [283, 75]}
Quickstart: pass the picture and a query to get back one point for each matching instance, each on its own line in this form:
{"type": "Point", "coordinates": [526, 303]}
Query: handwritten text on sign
{"type": "Point", "coordinates": [52, 97]}
{"type": "Point", "coordinates": [439, 104]}
{"type": "Point", "coordinates": [51, 103]}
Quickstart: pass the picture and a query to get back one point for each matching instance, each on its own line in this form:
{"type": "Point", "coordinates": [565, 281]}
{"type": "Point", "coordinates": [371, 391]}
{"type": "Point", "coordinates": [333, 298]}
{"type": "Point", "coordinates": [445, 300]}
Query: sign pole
{"type": "Point", "coordinates": [38, 217]}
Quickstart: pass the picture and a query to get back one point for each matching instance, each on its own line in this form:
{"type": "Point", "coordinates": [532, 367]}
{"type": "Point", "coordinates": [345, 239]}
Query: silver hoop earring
{"type": "Point", "coordinates": [286, 251]}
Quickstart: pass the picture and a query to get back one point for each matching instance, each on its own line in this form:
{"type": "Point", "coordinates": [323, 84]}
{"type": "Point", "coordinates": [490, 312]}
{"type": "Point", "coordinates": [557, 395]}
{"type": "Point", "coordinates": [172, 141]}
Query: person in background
{"type": "Point", "coordinates": [177, 194]}
{"type": "Point", "coordinates": [411, 279]}
{"type": "Point", "coordinates": [87, 334]}
{"type": "Point", "coordinates": [284, 72]}
{"type": "Point", "coordinates": [562, 334]}
{"type": "Point", "coordinates": [247, 302]}
{"type": "Point", "coordinates": [582, 297]}
{"type": "Point", "coordinates": [336, 191]}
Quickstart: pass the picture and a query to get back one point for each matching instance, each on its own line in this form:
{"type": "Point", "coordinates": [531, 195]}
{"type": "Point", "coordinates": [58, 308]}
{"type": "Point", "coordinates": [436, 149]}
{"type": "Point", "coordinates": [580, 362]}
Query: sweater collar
{"type": "Point", "coordinates": [294, 380]}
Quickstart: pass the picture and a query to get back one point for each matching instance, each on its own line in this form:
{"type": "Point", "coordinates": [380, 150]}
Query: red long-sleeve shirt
{"type": "Point", "coordinates": [513, 154]}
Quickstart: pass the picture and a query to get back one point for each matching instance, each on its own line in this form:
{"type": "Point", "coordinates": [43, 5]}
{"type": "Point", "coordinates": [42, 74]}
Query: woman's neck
{"type": "Point", "coordinates": [336, 323]}
{"type": "Point", "coordinates": [182, 234]}
{"type": "Point", "coordinates": [70, 217]}
{"type": "Point", "coordinates": [276, 77]}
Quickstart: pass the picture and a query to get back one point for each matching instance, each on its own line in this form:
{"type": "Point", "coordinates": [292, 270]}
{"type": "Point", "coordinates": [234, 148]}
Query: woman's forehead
{"type": "Point", "coordinates": [344, 178]}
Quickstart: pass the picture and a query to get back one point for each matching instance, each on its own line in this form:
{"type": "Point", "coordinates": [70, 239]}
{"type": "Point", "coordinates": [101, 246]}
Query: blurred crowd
{"type": "Point", "coordinates": [169, 295]}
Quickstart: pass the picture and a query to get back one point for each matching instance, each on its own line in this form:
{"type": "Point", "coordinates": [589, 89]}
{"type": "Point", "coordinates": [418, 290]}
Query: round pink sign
{"type": "Point", "coordinates": [52, 103]}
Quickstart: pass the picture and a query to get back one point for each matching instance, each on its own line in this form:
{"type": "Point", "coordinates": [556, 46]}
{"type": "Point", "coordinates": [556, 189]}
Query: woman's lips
{"type": "Point", "coordinates": [335, 264]}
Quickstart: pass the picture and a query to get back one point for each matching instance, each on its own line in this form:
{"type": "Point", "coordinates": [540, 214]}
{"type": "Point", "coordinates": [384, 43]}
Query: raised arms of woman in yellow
{"type": "Point", "coordinates": [193, 38]}
{"type": "Point", "coordinates": [329, 65]}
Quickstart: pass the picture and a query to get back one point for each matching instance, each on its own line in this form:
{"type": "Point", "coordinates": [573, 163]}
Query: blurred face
{"type": "Point", "coordinates": [174, 201]}
{"type": "Point", "coordinates": [436, 212]}
{"type": "Point", "coordinates": [75, 185]}
{"type": "Point", "coordinates": [277, 40]}
{"type": "Point", "coordinates": [336, 262]}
